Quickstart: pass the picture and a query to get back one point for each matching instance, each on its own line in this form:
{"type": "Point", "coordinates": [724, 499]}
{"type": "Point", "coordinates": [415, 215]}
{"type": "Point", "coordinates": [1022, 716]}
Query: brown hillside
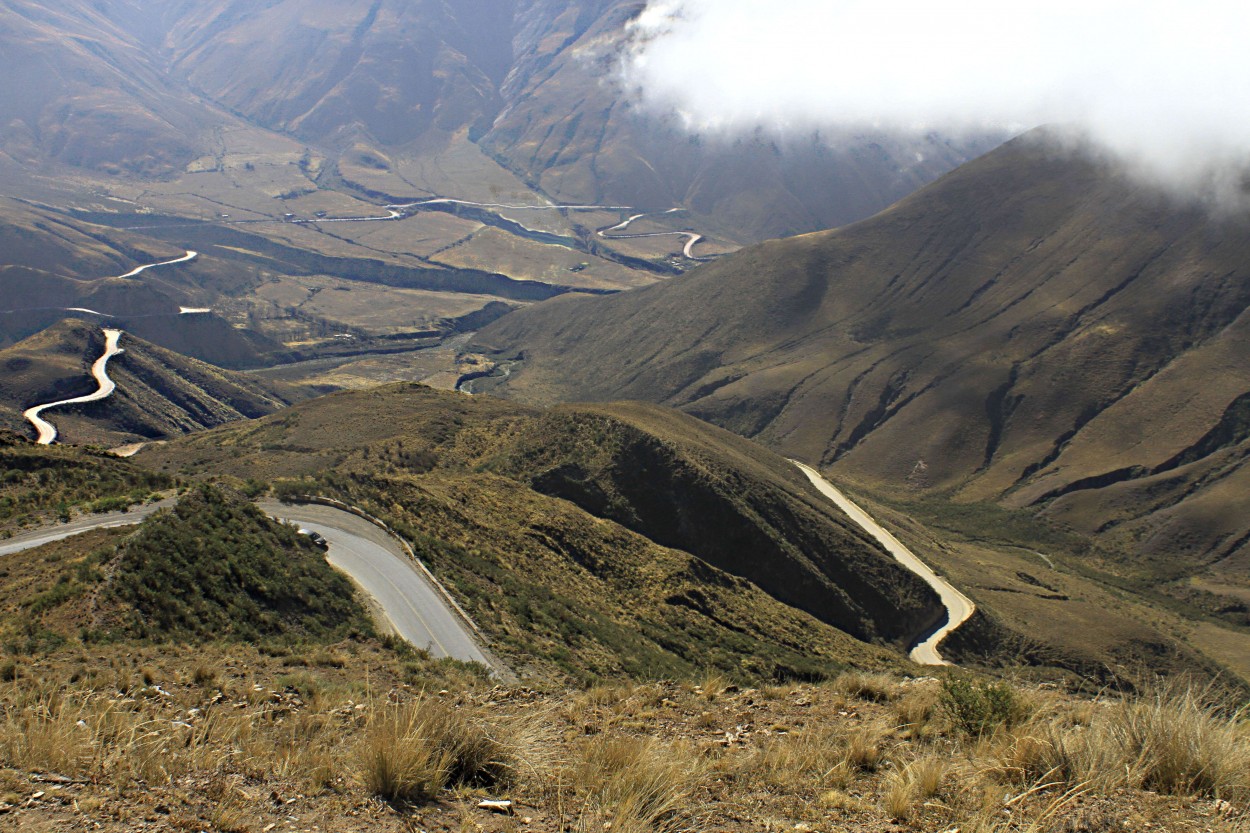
{"type": "Point", "coordinates": [159, 393]}
{"type": "Point", "coordinates": [79, 90]}
{"type": "Point", "coordinates": [1033, 329]}
{"type": "Point", "coordinates": [629, 531]}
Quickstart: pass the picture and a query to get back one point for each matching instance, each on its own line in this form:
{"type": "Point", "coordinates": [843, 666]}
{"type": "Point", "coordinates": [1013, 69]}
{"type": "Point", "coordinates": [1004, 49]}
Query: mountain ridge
{"type": "Point", "coordinates": [994, 337]}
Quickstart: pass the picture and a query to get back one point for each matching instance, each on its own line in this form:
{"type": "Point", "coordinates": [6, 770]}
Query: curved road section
{"type": "Point", "coordinates": [374, 560]}
{"type": "Point", "coordinates": [692, 238]}
{"type": "Point", "coordinates": [378, 564]}
{"type": "Point", "coordinates": [959, 608]}
{"type": "Point", "coordinates": [188, 256]}
{"type": "Point", "coordinates": [99, 370]}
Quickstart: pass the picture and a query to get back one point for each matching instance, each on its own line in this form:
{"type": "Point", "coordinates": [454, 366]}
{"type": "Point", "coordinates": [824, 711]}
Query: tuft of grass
{"type": "Point", "coordinates": [1171, 740]}
{"type": "Point", "coordinates": [916, 709]}
{"type": "Point", "coordinates": [1183, 745]}
{"type": "Point", "coordinates": [874, 688]}
{"type": "Point", "coordinates": [636, 783]}
{"type": "Point", "coordinates": [412, 751]}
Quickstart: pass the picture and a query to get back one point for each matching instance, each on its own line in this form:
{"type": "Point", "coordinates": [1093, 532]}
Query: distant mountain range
{"type": "Point", "coordinates": [144, 88]}
{"type": "Point", "coordinates": [1034, 329]}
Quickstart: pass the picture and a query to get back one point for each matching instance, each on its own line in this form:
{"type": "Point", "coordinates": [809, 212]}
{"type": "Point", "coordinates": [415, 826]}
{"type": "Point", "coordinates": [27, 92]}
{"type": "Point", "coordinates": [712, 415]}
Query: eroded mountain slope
{"type": "Point", "coordinates": [1033, 329]}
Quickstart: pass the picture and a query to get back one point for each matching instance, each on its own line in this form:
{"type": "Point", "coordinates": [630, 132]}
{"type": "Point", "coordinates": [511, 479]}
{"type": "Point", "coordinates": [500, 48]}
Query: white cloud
{"type": "Point", "coordinates": [1165, 85]}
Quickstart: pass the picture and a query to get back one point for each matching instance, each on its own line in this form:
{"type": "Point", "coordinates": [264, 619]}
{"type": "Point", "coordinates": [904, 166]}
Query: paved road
{"type": "Point", "coordinates": [374, 560]}
{"type": "Point", "coordinates": [99, 370]}
{"type": "Point", "coordinates": [188, 256]}
{"type": "Point", "coordinates": [958, 606]}
{"type": "Point", "coordinates": [39, 537]}
{"type": "Point", "coordinates": [692, 238]}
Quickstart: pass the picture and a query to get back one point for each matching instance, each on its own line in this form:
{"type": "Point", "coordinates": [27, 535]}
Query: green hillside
{"type": "Point", "coordinates": [589, 587]}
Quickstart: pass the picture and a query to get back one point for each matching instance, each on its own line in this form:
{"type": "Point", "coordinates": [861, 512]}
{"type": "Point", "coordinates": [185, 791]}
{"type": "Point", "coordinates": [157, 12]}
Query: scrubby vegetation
{"type": "Point", "coordinates": [389, 744]}
{"type": "Point", "coordinates": [217, 568]}
{"type": "Point", "coordinates": [38, 483]}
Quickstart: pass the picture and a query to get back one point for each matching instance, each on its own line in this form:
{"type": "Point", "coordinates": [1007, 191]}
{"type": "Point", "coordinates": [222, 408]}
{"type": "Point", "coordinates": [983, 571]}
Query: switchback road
{"type": "Point", "coordinates": [412, 606]}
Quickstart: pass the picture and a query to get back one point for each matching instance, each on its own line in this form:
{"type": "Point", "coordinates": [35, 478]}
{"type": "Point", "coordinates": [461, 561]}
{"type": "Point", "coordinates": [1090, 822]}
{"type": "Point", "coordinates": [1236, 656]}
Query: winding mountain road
{"type": "Point", "coordinates": [376, 562]}
{"type": "Point", "coordinates": [188, 256]}
{"type": "Point", "coordinates": [99, 370]}
{"type": "Point", "coordinates": [692, 238]}
{"type": "Point", "coordinates": [959, 608]}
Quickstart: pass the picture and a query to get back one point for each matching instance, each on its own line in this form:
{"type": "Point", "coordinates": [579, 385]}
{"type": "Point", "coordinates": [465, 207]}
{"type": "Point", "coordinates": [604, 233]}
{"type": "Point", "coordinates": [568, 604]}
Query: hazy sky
{"type": "Point", "coordinates": [1166, 85]}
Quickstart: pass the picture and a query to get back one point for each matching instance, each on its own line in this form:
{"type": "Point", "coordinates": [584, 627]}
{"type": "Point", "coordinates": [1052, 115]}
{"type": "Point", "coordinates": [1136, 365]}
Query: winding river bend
{"type": "Point", "coordinates": [99, 370]}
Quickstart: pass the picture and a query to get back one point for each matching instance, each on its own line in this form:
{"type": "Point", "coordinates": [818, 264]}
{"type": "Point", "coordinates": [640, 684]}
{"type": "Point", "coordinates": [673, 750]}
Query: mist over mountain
{"type": "Point", "coordinates": [1154, 85]}
{"type": "Point", "coordinates": [145, 88]}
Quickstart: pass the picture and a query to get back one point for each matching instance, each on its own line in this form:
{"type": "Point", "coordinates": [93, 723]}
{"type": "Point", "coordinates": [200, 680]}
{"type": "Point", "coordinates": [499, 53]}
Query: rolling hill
{"type": "Point", "coordinates": [592, 541]}
{"type": "Point", "coordinates": [1033, 330]}
{"type": "Point", "coordinates": [159, 392]}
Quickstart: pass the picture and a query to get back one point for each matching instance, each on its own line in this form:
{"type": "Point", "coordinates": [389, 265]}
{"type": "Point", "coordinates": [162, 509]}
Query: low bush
{"type": "Point", "coordinates": [980, 708]}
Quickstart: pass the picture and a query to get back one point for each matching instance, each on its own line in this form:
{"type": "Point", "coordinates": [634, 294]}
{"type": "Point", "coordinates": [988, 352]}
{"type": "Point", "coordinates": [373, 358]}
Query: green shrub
{"type": "Point", "coordinates": [217, 568]}
{"type": "Point", "coordinates": [981, 708]}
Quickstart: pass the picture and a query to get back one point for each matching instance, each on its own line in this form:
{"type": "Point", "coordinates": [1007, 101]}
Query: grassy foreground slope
{"type": "Point", "coordinates": [724, 560]}
{"type": "Point", "coordinates": [239, 741]}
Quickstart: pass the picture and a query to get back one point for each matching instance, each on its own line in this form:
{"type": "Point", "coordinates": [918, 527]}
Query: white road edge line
{"type": "Point", "coordinates": [959, 608]}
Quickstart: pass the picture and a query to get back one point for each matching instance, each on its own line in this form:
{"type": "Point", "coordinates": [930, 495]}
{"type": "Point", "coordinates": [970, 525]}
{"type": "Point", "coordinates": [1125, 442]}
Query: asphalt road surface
{"type": "Point", "coordinates": [99, 371]}
{"type": "Point", "coordinates": [413, 607]}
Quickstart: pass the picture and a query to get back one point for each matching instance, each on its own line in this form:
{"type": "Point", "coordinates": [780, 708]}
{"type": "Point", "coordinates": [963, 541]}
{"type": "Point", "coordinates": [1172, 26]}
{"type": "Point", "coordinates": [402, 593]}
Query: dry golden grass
{"type": "Point", "coordinates": [412, 751]}
{"type": "Point", "coordinates": [398, 758]}
{"type": "Point", "coordinates": [629, 757]}
{"type": "Point", "coordinates": [1172, 740]}
{"type": "Point", "coordinates": [875, 688]}
{"type": "Point", "coordinates": [635, 784]}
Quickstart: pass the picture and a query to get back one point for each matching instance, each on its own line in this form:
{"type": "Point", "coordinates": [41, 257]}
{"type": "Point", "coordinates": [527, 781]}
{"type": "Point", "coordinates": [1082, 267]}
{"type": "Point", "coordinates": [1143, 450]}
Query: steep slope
{"type": "Point", "coordinates": [81, 91]}
{"type": "Point", "coordinates": [596, 539]}
{"type": "Point", "coordinates": [1033, 329]}
{"type": "Point", "coordinates": [572, 128]}
{"type": "Point", "coordinates": [379, 70]}
{"type": "Point", "coordinates": [159, 393]}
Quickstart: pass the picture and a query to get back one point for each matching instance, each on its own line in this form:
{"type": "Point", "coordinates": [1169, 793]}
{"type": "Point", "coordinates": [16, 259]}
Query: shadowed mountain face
{"type": "Point", "coordinates": [145, 87]}
{"type": "Point", "coordinates": [627, 530]}
{"type": "Point", "coordinates": [1033, 329]}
